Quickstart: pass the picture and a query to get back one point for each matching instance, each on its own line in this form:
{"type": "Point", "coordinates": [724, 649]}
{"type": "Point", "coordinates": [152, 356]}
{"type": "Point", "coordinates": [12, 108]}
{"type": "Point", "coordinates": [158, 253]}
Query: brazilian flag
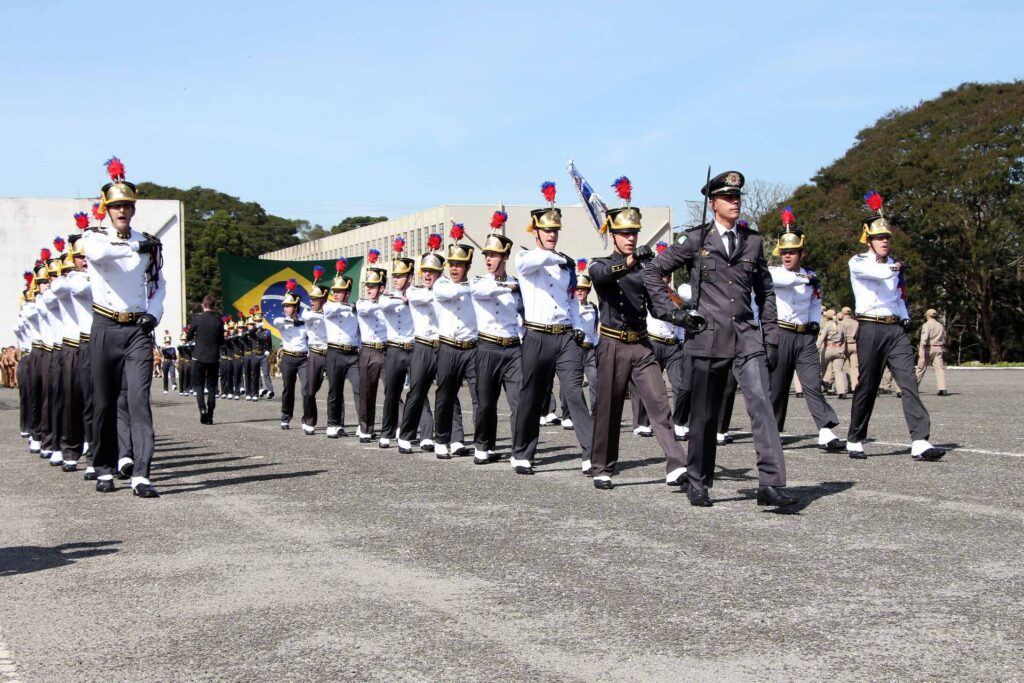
{"type": "Point", "coordinates": [250, 282]}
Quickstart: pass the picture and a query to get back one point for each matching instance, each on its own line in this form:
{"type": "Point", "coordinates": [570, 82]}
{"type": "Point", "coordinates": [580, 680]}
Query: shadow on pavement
{"type": "Point", "coordinates": [180, 474]}
{"type": "Point", "coordinates": [23, 559]}
{"type": "Point", "coordinates": [805, 495]}
{"type": "Point", "coordinates": [172, 489]}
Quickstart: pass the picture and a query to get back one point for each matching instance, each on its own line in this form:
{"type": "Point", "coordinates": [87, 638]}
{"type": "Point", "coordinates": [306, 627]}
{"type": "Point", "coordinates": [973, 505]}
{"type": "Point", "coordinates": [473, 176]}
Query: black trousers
{"type": "Point", "coordinates": [186, 377]}
{"type": "Point", "coordinates": [546, 356]}
{"type": "Point", "coordinates": [453, 366]}
{"type": "Point", "coordinates": [45, 415]}
{"type": "Point", "coordinates": [417, 405]}
{"type": "Point", "coordinates": [497, 367]}
{"type": "Point", "coordinates": [397, 364]}
{"type": "Point", "coordinates": [588, 363]}
{"type": "Point", "coordinates": [311, 384]}
{"type": "Point", "coordinates": [268, 383]}
{"type": "Point", "coordinates": [205, 379]}
{"type": "Point", "coordinates": [252, 375]}
{"type": "Point", "coordinates": [291, 368]}
{"type": "Point", "coordinates": [621, 366]}
{"type": "Point", "coordinates": [341, 366]}
{"type": "Point", "coordinates": [170, 374]}
{"type": "Point", "coordinates": [56, 394]}
{"type": "Point", "coordinates": [237, 377]}
{"type": "Point", "coordinates": [728, 403]}
{"type": "Point", "coordinates": [121, 354]}
{"type": "Point", "coordinates": [798, 353]}
{"type": "Point", "coordinates": [224, 368]}
{"type": "Point", "coordinates": [24, 391]}
{"type": "Point", "coordinates": [880, 345]}
{"type": "Point", "coordinates": [85, 382]}
{"type": "Point", "coordinates": [40, 422]}
{"type": "Point", "coordinates": [710, 377]}
{"type": "Point", "coordinates": [371, 365]}
{"type": "Point", "coordinates": [71, 394]}
{"type": "Point", "coordinates": [678, 369]}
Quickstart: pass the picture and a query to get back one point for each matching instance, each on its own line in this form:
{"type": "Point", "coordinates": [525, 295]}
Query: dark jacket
{"type": "Point", "coordinates": [622, 298]}
{"type": "Point", "coordinates": [727, 285]}
{"type": "Point", "coordinates": [207, 331]}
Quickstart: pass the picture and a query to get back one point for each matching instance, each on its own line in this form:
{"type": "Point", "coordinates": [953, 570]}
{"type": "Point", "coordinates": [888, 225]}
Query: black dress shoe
{"type": "Point", "coordinates": [523, 469]}
{"type": "Point", "coordinates": [833, 445]}
{"type": "Point", "coordinates": [126, 471]}
{"type": "Point", "coordinates": [942, 392]}
{"type": "Point", "coordinates": [56, 464]}
{"type": "Point", "coordinates": [443, 456]}
{"type": "Point", "coordinates": [899, 394]}
{"type": "Point", "coordinates": [773, 496]}
{"type": "Point", "coordinates": [841, 397]}
{"type": "Point", "coordinates": [799, 394]}
{"type": "Point", "coordinates": [857, 455]}
{"type": "Point", "coordinates": [105, 486]}
{"type": "Point", "coordinates": [603, 484]}
{"type": "Point", "coordinates": [699, 497]}
{"type": "Point", "coordinates": [285, 427]}
{"type": "Point", "coordinates": [427, 449]}
{"type": "Point", "coordinates": [145, 491]}
{"type": "Point", "coordinates": [682, 480]}
{"type": "Point", "coordinates": [342, 432]}
{"type": "Point", "coordinates": [69, 466]}
{"type": "Point", "coordinates": [404, 451]}
{"type": "Point", "coordinates": [90, 476]}
{"type": "Point", "coordinates": [931, 455]}
{"type": "Point", "coordinates": [365, 439]}
{"type": "Point", "coordinates": [589, 472]}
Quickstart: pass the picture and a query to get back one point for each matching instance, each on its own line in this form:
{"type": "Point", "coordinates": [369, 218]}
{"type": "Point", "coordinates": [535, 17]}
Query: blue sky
{"type": "Point", "coordinates": [321, 110]}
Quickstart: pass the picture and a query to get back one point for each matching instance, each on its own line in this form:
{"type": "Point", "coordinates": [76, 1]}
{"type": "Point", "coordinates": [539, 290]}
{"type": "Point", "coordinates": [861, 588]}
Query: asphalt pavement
{"type": "Point", "coordinates": [273, 556]}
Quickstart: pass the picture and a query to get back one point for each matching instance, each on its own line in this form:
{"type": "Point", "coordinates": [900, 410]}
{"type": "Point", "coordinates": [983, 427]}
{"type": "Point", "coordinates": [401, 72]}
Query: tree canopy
{"type": "Point", "coordinates": [951, 171]}
{"type": "Point", "coordinates": [353, 222]}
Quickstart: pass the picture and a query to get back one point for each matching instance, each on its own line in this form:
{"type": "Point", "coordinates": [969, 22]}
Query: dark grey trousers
{"type": "Point", "coordinates": [341, 366]}
{"type": "Point", "coordinates": [417, 405]}
{"type": "Point", "coordinates": [710, 376]}
{"type": "Point", "coordinates": [71, 395]}
{"type": "Point", "coordinates": [497, 367]}
{"type": "Point", "coordinates": [268, 383]}
{"type": "Point", "coordinates": [546, 356]}
{"type": "Point", "coordinates": [252, 375]}
{"type": "Point", "coordinates": [56, 399]}
{"type": "Point", "coordinates": [621, 366]}
{"type": "Point", "coordinates": [24, 391]}
{"type": "Point", "coordinates": [588, 362]}
{"type": "Point", "coordinates": [205, 378]}
{"type": "Point", "coordinates": [797, 353]}
{"type": "Point", "coordinates": [121, 354]}
{"type": "Point", "coordinates": [291, 368]}
{"type": "Point", "coordinates": [311, 384]}
{"type": "Point", "coordinates": [453, 366]}
{"type": "Point", "coordinates": [170, 374]}
{"type": "Point", "coordinates": [397, 368]}
{"type": "Point", "coordinates": [880, 345]}
{"type": "Point", "coordinates": [85, 381]}
{"type": "Point", "coordinates": [371, 365]}
{"type": "Point", "coordinates": [677, 368]}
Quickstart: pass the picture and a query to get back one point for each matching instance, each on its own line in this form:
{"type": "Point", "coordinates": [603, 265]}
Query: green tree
{"type": "Point", "coordinates": [951, 171]}
{"type": "Point", "coordinates": [353, 222]}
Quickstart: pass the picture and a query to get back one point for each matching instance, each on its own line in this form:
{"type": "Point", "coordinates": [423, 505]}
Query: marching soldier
{"type": "Point", "coordinates": [373, 335]}
{"type": "Point", "coordinates": [848, 323]}
{"type": "Point", "coordinates": [342, 350]}
{"type": "Point", "coordinates": [224, 366]}
{"type": "Point", "coordinates": [168, 359]}
{"type": "Point", "coordinates": [316, 335]}
{"type": "Point", "coordinates": [128, 291]}
{"type": "Point", "coordinates": [266, 344]}
{"type": "Point", "coordinates": [81, 297]}
{"type": "Point", "coordinates": [185, 382]}
{"type": "Point", "coordinates": [727, 267]}
{"type": "Point", "coordinates": [933, 341]}
{"type": "Point", "coordinates": [456, 357]}
{"type": "Point", "coordinates": [884, 337]}
{"type": "Point", "coordinates": [294, 349]}
{"type": "Point", "coordinates": [550, 347]}
{"type": "Point", "coordinates": [72, 427]}
{"type": "Point", "coordinates": [54, 334]}
{"type": "Point", "coordinates": [64, 328]}
{"type": "Point", "coordinates": [496, 303]}
{"type": "Point", "coordinates": [257, 349]}
{"type": "Point", "coordinates": [625, 357]}
{"type": "Point", "coordinates": [398, 319]}
{"type": "Point", "coordinates": [587, 315]}
{"type": "Point", "coordinates": [797, 297]}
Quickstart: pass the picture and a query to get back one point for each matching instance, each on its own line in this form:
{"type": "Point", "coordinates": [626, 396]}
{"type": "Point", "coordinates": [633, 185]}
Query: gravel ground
{"type": "Point", "coordinates": [275, 556]}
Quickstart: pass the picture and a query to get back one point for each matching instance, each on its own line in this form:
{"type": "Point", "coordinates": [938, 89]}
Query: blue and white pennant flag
{"type": "Point", "coordinates": [592, 202]}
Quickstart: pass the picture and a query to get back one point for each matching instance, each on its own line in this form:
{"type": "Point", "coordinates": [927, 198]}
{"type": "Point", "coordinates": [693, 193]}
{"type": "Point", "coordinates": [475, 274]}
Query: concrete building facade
{"type": "Point", "coordinates": [579, 239]}
{"type": "Point", "coordinates": [29, 224]}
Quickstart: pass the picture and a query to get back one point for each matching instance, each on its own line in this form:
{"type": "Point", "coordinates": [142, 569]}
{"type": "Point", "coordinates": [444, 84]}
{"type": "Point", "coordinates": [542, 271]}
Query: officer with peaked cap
{"type": "Point", "coordinates": [497, 305]}
{"type": "Point", "coordinates": [128, 291]}
{"type": "Point", "coordinates": [797, 296]}
{"type": "Point", "coordinates": [883, 339]}
{"type": "Point", "coordinates": [727, 267]}
{"type": "Point", "coordinates": [373, 335]}
{"type": "Point", "coordinates": [625, 358]}
{"type": "Point", "coordinates": [397, 361]}
{"type": "Point", "coordinates": [342, 350]}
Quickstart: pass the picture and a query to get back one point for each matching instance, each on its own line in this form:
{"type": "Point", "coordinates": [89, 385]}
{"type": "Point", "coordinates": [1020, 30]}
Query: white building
{"type": "Point", "coordinates": [29, 224]}
{"type": "Point", "coordinates": [578, 238]}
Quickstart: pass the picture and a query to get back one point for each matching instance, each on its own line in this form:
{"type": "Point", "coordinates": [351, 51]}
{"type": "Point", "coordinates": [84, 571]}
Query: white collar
{"type": "Point", "coordinates": [722, 229]}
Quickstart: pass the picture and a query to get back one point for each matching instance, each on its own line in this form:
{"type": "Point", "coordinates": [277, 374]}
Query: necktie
{"type": "Point", "coordinates": [732, 241]}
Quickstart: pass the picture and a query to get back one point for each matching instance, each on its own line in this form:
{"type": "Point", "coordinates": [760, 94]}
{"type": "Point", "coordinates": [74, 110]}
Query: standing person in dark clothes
{"type": "Point", "coordinates": [206, 330]}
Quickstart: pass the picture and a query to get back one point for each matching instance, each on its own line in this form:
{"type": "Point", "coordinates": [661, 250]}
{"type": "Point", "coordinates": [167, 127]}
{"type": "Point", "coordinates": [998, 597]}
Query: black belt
{"type": "Point", "coordinates": [120, 317]}
{"type": "Point", "coordinates": [294, 354]}
{"type": "Point", "coordinates": [432, 343]}
{"type": "Point", "coordinates": [346, 348]}
{"type": "Point", "coordinates": [500, 341]}
{"type": "Point", "coordinates": [376, 346]}
{"type": "Point", "coordinates": [626, 336]}
{"type": "Point", "coordinates": [548, 329]}
{"type": "Point", "coordinates": [667, 341]}
{"type": "Point", "coordinates": [461, 345]}
{"type": "Point", "coordinates": [319, 352]}
{"type": "Point", "coordinates": [405, 346]}
{"type": "Point", "coordinates": [880, 319]}
{"type": "Point", "coordinates": [799, 328]}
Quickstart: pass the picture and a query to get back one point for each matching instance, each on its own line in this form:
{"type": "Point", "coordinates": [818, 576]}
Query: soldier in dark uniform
{"type": "Point", "coordinates": [726, 265]}
{"type": "Point", "coordinates": [257, 348]}
{"type": "Point", "coordinates": [625, 357]}
{"type": "Point", "coordinates": [224, 366]}
{"type": "Point", "coordinates": [168, 359]}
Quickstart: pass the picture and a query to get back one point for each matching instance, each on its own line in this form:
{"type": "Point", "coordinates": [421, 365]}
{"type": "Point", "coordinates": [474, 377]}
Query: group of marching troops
{"type": "Point", "coordinates": [736, 324]}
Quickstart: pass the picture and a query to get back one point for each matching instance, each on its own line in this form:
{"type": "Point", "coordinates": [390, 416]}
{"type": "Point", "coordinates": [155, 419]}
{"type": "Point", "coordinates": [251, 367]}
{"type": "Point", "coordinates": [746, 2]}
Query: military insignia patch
{"type": "Point", "coordinates": [732, 180]}
{"type": "Point", "coordinates": [705, 252]}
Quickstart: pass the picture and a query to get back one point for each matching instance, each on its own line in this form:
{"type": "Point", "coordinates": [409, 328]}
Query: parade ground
{"type": "Point", "coordinates": [273, 556]}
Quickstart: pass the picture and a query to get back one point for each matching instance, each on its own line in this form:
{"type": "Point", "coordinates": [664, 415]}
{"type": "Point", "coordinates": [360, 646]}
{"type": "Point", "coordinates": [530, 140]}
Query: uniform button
{"type": "Point", "coordinates": [732, 300]}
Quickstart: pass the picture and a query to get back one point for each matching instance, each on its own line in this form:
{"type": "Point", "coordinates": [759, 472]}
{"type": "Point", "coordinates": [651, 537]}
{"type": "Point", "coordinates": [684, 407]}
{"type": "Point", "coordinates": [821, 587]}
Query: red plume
{"type": "Point", "coordinates": [873, 200]}
{"type": "Point", "coordinates": [58, 244]}
{"type": "Point", "coordinates": [341, 264]}
{"type": "Point", "coordinates": [81, 220]}
{"type": "Point", "coordinates": [457, 232]}
{"type": "Point", "coordinates": [498, 220]}
{"type": "Point", "coordinates": [44, 255]}
{"type": "Point", "coordinates": [548, 190]}
{"type": "Point", "coordinates": [373, 255]}
{"type": "Point", "coordinates": [624, 188]}
{"type": "Point", "coordinates": [787, 216]}
{"type": "Point", "coordinates": [581, 265]}
{"type": "Point", "coordinates": [661, 246]}
{"type": "Point", "coordinates": [291, 285]}
{"type": "Point", "coordinates": [318, 272]}
{"type": "Point", "coordinates": [398, 244]}
{"type": "Point", "coordinates": [433, 241]}
{"type": "Point", "coordinates": [115, 168]}
{"type": "Point", "coordinates": [97, 212]}
{"type": "Point", "coordinates": [28, 278]}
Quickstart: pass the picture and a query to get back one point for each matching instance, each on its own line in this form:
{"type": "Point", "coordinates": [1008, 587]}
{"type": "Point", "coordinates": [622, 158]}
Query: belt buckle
{"type": "Point", "coordinates": [630, 336]}
{"type": "Point", "coordinates": [123, 317]}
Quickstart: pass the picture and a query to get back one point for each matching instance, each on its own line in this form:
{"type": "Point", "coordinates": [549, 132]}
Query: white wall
{"type": "Point", "coordinates": [29, 224]}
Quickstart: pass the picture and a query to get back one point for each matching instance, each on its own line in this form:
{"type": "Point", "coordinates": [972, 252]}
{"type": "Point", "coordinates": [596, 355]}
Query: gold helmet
{"type": "Point", "coordinates": [119, 190]}
{"type": "Point", "coordinates": [583, 282]}
{"type": "Point", "coordinates": [341, 282]}
{"type": "Point", "coordinates": [402, 265]}
{"type": "Point", "coordinates": [793, 238]}
{"type": "Point", "coordinates": [875, 225]}
{"type": "Point", "coordinates": [376, 277]}
{"type": "Point", "coordinates": [459, 253]}
{"type": "Point", "coordinates": [317, 291]}
{"type": "Point", "coordinates": [257, 315]}
{"type": "Point", "coordinates": [290, 297]}
{"type": "Point", "coordinates": [625, 219]}
{"type": "Point", "coordinates": [431, 261]}
{"type": "Point", "coordinates": [41, 271]}
{"type": "Point", "coordinates": [497, 244]}
{"type": "Point", "coordinates": [549, 218]}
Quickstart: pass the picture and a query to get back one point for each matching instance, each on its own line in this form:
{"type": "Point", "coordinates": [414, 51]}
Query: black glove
{"type": "Point", "coordinates": [771, 354]}
{"type": "Point", "coordinates": [643, 252]}
{"type": "Point", "coordinates": [579, 336]}
{"type": "Point", "coordinates": [692, 322]}
{"type": "Point", "coordinates": [147, 322]}
{"type": "Point", "coordinates": [814, 282]}
{"type": "Point", "coordinates": [148, 246]}
{"type": "Point", "coordinates": [568, 263]}
{"type": "Point", "coordinates": [813, 328]}
{"type": "Point", "coordinates": [905, 324]}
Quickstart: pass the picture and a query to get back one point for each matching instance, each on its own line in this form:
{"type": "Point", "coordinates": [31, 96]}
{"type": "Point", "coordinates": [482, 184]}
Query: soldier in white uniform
{"type": "Point", "coordinates": [128, 291]}
{"type": "Point", "coordinates": [398, 319]}
{"type": "Point", "coordinates": [316, 336]}
{"type": "Point", "coordinates": [342, 350]}
{"type": "Point", "coordinates": [883, 338]}
{"type": "Point", "coordinates": [294, 349]}
{"type": "Point", "coordinates": [373, 335]}
{"type": "Point", "coordinates": [71, 389]}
